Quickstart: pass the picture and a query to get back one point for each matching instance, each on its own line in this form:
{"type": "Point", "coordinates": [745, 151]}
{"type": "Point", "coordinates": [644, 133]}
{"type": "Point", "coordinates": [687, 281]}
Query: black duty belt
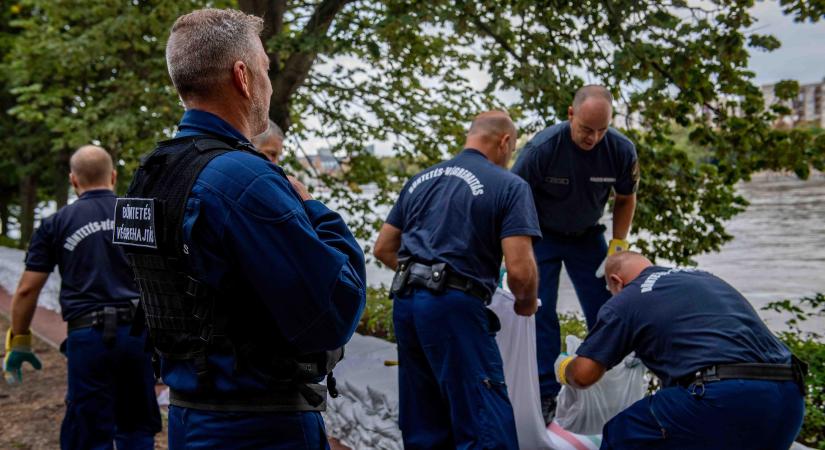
{"type": "Point", "coordinates": [437, 278]}
{"type": "Point", "coordinates": [95, 318]}
{"type": "Point", "coordinates": [293, 399]}
{"type": "Point", "coordinates": [108, 317]}
{"type": "Point", "coordinates": [795, 371]}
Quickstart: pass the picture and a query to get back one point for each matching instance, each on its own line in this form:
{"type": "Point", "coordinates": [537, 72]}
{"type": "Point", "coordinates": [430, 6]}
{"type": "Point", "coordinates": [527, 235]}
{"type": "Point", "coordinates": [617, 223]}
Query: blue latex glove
{"type": "Point", "coordinates": [18, 351]}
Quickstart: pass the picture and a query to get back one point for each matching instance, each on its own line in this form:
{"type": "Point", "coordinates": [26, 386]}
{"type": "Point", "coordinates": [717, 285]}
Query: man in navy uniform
{"type": "Point", "coordinates": [111, 396]}
{"type": "Point", "coordinates": [249, 286]}
{"type": "Point", "coordinates": [727, 382]}
{"type": "Point", "coordinates": [445, 237]}
{"type": "Point", "coordinates": [571, 168]}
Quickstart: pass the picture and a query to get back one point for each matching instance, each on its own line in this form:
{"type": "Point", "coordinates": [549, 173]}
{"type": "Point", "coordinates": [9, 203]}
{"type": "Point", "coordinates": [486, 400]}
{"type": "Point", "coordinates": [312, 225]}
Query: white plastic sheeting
{"type": "Point", "coordinates": [12, 267]}
{"type": "Point", "coordinates": [585, 411]}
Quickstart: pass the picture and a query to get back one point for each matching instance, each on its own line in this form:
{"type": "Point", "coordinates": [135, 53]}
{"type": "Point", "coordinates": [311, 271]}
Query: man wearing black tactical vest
{"type": "Point", "coordinates": [249, 286]}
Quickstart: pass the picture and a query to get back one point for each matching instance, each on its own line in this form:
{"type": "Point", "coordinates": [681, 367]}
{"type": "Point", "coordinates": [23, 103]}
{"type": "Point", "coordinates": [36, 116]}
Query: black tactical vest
{"type": "Point", "coordinates": [187, 319]}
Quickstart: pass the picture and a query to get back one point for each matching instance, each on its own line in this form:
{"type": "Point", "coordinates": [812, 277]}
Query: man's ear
{"type": "Point", "coordinates": [240, 78]}
{"type": "Point", "coordinates": [73, 181]}
{"type": "Point", "coordinates": [617, 280]}
{"type": "Point", "coordinates": [114, 178]}
{"type": "Point", "coordinates": [569, 113]}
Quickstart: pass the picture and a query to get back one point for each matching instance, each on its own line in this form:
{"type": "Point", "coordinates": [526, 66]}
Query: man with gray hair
{"type": "Point", "coordinates": [249, 286]}
{"type": "Point", "coordinates": [270, 142]}
{"type": "Point", "coordinates": [572, 167]}
{"type": "Point", "coordinates": [111, 386]}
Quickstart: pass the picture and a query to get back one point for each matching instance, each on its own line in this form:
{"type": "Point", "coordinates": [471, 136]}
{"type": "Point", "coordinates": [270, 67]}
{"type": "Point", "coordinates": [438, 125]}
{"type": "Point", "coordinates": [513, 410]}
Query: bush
{"type": "Point", "coordinates": [377, 318]}
{"type": "Point", "coordinates": [809, 347]}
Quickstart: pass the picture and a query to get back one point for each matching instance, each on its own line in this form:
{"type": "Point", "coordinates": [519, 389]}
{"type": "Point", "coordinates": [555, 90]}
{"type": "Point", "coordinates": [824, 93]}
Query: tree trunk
{"type": "Point", "coordinates": [61, 178]}
{"type": "Point", "coordinates": [28, 201]}
{"type": "Point", "coordinates": [4, 218]}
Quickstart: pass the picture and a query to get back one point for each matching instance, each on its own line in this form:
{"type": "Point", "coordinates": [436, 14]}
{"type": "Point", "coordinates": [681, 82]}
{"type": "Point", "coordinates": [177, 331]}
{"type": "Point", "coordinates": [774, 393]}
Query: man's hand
{"type": "Point", "coordinates": [299, 188]}
{"type": "Point", "coordinates": [615, 246]}
{"type": "Point", "coordinates": [560, 367]}
{"type": "Point", "coordinates": [526, 307]}
{"type": "Point", "coordinates": [18, 351]}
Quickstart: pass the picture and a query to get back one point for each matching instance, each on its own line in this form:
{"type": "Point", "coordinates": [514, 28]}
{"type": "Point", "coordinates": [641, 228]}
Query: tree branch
{"type": "Point", "coordinates": [298, 64]}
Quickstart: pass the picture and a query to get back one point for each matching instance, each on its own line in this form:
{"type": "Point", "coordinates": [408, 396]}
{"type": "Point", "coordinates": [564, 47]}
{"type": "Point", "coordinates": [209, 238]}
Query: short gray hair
{"type": "Point", "coordinates": [204, 44]}
{"type": "Point", "coordinates": [591, 90]}
{"type": "Point", "coordinates": [272, 131]}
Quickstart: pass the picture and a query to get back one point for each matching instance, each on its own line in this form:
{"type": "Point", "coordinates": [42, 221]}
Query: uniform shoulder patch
{"type": "Point", "coordinates": [135, 222]}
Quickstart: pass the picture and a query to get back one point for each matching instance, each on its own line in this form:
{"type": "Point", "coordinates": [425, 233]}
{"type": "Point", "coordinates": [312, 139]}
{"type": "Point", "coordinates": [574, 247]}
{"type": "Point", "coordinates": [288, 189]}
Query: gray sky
{"type": "Point", "coordinates": [802, 54]}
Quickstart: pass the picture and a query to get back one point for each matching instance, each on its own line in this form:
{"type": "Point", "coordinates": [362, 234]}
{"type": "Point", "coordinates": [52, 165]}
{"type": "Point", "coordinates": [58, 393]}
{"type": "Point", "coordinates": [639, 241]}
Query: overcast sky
{"type": "Point", "coordinates": [802, 54]}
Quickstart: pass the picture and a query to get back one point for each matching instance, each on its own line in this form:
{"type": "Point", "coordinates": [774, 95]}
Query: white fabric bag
{"type": "Point", "coordinates": [517, 344]}
{"type": "Point", "coordinates": [585, 411]}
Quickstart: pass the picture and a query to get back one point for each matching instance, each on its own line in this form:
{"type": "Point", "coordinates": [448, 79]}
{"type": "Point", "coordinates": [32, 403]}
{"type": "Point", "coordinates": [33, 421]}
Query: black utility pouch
{"type": "Point", "coordinates": [438, 278]}
{"type": "Point", "coordinates": [402, 274]}
{"type": "Point", "coordinates": [109, 325]}
{"type": "Point", "coordinates": [800, 370]}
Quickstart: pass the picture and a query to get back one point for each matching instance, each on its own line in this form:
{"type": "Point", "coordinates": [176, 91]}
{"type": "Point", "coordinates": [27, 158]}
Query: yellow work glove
{"type": "Point", "coordinates": [561, 367]}
{"type": "Point", "coordinates": [616, 245]}
{"type": "Point", "coordinates": [18, 351]}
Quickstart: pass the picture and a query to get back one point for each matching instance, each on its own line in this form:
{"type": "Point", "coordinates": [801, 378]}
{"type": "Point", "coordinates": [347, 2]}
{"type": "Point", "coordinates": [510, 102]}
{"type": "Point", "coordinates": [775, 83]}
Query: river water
{"type": "Point", "coordinates": [778, 250]}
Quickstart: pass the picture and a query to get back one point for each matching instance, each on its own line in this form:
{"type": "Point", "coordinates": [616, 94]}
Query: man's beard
{"type": "Point", "coordinates": [260, 116]}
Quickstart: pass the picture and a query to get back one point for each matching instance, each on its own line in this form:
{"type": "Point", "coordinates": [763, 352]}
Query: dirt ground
{"type": "Point", "coordinates": [31, 413]}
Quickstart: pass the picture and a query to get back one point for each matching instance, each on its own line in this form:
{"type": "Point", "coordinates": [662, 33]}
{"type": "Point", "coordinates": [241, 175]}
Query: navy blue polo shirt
{"type": "Point", "coordinates": [78, 239]}
{"type": "Point", "coordinates": [571, 186]}
{"type": "Point", "coordinates": [679, 321]}
{"type": "Point", "coordinates": [457, 212]}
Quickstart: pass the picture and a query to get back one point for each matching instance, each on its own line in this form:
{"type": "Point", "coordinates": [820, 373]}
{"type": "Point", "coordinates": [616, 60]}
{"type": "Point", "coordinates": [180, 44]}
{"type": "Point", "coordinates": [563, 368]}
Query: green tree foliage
{"type": "Point", "coordinates": [809, 347]}
{"type": "Point", "coordinates": [352, 72]}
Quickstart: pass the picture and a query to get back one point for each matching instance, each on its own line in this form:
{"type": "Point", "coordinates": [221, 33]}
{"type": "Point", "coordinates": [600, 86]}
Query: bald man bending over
{"type": "Point", "coordinates": [727, 382]}
{"type": "Point", "coordinates": [110, 395]}
{"type": "Point", "coordinates": [445, 237]}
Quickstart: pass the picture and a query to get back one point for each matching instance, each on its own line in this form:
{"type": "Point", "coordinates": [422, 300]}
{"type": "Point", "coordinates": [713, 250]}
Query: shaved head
{"type": "Point", "coordinates": [623, 267]}
{"type": "Point", "coordinates": [590, 116]}
{"type": "Point", "coordinates": [91, 166]}
{"type": "Point", "coordinates": [492, 123]}
{"type": "Point", "coordinates": [494, 134]}
{"type": "Point", "coordinates": [591, 91]}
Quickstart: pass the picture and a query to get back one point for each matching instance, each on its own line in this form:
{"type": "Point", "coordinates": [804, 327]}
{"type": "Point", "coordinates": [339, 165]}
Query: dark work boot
{"type": "Point", "coordinates": [548, 409]}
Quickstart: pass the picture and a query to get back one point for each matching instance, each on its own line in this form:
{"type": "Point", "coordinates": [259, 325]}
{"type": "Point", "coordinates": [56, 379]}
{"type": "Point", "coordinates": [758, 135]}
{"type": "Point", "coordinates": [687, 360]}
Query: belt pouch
{"type": "Point", "coordinates": [109, 325]}
{"type": "Point", "coordinates": [438, 278]}
{"type": "Point", "coordinates": [399, 281]}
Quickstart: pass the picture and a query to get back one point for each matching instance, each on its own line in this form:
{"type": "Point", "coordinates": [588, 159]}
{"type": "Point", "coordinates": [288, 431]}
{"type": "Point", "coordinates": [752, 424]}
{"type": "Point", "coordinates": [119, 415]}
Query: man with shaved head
{"type": "Point", "coordinates": [727, 382]}
{"type": "Point", "coordinates": [111, 397]}
{"type": "Point", "coordinates": [571, 168]}
{"type": "Point", "coordinates": [445, 238]}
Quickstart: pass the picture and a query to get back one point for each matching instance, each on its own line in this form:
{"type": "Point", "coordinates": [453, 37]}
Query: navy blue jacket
{"type": "Point", "coordinates": [244, 223]}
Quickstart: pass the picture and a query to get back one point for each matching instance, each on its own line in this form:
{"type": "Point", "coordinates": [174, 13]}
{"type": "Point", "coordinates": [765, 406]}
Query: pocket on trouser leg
{"type": "Point", "coordinates": [495, 421]}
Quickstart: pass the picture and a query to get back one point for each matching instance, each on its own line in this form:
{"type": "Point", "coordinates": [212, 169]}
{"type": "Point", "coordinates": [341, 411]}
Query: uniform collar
{"type": "Point", "coordinates": [97, 193]}
{"type": "Point", "coordinates": [196, 122]}
{"type": "Point", "coordinates": [472, 151]}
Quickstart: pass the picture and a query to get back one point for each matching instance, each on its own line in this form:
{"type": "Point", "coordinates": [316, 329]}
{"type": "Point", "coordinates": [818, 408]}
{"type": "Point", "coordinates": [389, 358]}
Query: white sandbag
{"type": "Point", "coordinates": [585, 411]}
{"type": "Point", "coordinates": [566, 440]}
{"type": "Point", "coordinates": [517, 344]}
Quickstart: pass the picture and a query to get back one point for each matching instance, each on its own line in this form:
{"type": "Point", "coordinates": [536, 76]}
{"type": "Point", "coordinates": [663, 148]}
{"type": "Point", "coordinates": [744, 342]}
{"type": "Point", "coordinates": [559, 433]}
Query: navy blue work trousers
{"type": "Point", "coordinates": [746, 414]}
{"type": "Point", "coordinates": [581, 257]}
{"type": "Point", "coordinates": [451, 379]}
{"type": "Point", "coordinates": [192, 429]}
{"type": "Point", "coordinates": [111, 392]}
